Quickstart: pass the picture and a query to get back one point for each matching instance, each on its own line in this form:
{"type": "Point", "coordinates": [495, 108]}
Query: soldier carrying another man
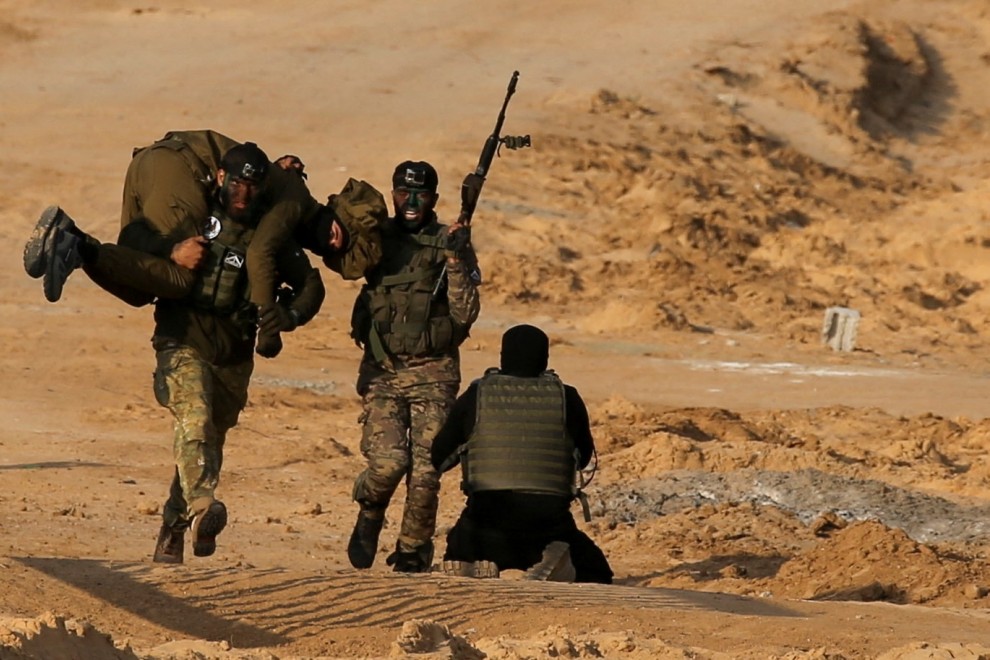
{"type": "Point", "coordinates": [175, 181]}
{"type": "Point", "coordinates": [184, 246]}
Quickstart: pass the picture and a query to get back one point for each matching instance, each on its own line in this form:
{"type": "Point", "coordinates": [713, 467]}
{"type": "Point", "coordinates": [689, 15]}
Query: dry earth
{"type": "Point", "coordinates": [706, 179]}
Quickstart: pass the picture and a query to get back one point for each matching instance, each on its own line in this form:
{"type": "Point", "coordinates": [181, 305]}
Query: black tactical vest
{"type": "Point", "coordinates": [520, 439]}
{"type": "Point", "coordinates": [221, 284]}
{"type": "Point", "coordinates": [396, 312]}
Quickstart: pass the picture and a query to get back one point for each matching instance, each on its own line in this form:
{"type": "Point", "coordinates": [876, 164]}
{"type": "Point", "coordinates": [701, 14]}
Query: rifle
{"type": "Point", "coordinates": [474, 181]}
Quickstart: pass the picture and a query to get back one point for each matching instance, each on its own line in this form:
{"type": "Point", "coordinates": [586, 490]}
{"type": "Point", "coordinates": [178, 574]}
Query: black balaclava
{"type": "Point", "coordinates": [525, 351]}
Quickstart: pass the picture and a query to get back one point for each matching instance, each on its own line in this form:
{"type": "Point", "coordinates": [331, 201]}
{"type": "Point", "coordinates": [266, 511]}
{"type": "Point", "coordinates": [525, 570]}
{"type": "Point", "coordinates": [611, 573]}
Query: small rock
{"type": "Point", "coordinates": [975, 591]}
{"type": "Point", "coordinates": [148, 508]}
{"type": "Point", "coordinates": [827, 523]}
{"type": "Point", "coordinates": [310, 509]}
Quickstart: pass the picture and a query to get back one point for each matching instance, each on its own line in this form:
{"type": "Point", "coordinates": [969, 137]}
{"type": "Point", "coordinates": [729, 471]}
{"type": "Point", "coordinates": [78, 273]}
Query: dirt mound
{"type": "Point", "coordinates": [903, 451]}
{"type": "Point", "coordinates": [761, 549]}
{"type": "Point", "coordinates": [751, 204]}
{"type": "Point", "coordinates": [760, 503]}
{"type": "Point", "coordinates": [52, 636]}
{"type": "Point", "coordinates": [870, 561]}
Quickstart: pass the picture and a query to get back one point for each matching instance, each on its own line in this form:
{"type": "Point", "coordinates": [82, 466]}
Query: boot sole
{"type": "Point", "coordinates": [206, 527]}
{"type": "Point", "coordinates": [60, 260]}
{"type": "Point", "coordinates": [34, 249]}
{"type": "Point", "coordinates": [169, 538]}
{"type": "Point", "coordinates": [470, 569]}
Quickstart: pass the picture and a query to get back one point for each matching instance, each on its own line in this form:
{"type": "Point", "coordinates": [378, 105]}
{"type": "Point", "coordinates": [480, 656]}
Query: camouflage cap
{"type": "Point", "coordinates": [415, 174]}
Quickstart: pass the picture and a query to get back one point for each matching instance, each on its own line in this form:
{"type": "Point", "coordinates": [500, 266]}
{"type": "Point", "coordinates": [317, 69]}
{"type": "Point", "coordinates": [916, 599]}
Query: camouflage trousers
{"type": "Point", "coordinates": [205, 401]}
{"type": "Point", "coordinates": [398, 428]}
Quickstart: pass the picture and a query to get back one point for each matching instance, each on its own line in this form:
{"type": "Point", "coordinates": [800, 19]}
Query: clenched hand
{"type": "Point", "coordinates": [190, 252]}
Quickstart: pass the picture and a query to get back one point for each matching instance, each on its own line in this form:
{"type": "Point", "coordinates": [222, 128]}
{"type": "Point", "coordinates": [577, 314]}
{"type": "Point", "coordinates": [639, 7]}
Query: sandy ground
{"type": "Point", "coordinates": [706, 180]}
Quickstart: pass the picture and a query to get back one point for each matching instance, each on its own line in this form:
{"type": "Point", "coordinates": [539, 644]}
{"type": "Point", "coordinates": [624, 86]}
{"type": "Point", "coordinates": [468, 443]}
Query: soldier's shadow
{"type": "Point", "coordinates": [744, 566]}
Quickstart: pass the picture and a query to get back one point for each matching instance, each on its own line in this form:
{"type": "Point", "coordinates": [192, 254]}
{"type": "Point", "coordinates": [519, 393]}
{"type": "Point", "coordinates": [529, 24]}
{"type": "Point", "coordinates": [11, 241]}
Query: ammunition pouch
{"type": "Point", "coordinates": [222, 283]}
{"type": "Point", "coordinates": [161, 388]}
{"type": "Point", "coordinates": [416, 339]}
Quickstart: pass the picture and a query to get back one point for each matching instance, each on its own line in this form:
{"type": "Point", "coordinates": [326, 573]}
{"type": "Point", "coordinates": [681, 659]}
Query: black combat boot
{"type": "Point", "coordinates": [418, 560]}
{"type": "Point", "coordinates": [363, 546]}
{"type": "Point", "coordinates": [53, 250]}
{"type": "Point", "coordinates": [206, 526]}
{"type": "Point", "coordinates": [170, 545]}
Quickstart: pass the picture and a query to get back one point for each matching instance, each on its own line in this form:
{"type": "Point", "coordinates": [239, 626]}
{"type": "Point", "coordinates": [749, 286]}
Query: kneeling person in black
{"type": "Point", "coordinates": [520, 434]}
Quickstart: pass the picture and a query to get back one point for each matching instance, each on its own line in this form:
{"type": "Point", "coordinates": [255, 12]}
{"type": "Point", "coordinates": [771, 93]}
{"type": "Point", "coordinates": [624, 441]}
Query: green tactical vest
{"type": "Point", "coordinates": [520, 439]}
{"type": "Point", "coordinates": [396, 313]}
{"type": "Point", "coordinates": [221, 284]}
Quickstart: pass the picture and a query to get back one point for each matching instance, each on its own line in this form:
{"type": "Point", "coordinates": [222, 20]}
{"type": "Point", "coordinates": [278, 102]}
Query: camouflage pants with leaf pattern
{"type": "Point", "coordinates": [398, 427]}
{"type": "Point", "coordinates": [205, 401]}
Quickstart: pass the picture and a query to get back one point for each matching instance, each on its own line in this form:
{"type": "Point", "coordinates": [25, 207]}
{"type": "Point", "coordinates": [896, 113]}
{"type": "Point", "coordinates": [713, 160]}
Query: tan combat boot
{"type": "Point", "coordinates": [555, 566]}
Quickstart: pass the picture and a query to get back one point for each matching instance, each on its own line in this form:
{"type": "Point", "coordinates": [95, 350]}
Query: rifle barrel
{"type": "Point", "coordinates": [491, 144]}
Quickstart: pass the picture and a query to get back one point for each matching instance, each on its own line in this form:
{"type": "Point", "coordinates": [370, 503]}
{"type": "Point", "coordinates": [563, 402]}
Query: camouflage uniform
{"type": "Point", "coordinates": [410, 372]}
{"type": "Point", "coordinates": [205, 401]}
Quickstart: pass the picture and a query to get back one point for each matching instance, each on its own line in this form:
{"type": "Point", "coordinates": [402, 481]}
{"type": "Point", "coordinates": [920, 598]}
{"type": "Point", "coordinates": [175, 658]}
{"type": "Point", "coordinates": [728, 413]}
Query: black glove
{"type": "Point", "coordinates": [458, 241]}
{"type": "Point", "coordinates": [269, 345]}
{"type": "Point", "coordinates": [274, 318]}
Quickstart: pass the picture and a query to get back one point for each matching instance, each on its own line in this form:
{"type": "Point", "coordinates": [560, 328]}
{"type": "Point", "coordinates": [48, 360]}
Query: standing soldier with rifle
{"type": "Point", "coordinates": [414, 311]}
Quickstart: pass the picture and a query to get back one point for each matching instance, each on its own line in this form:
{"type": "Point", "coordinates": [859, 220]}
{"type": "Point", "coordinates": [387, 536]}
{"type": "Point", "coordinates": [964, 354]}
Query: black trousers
{"type": "Point", "coordinates": [512, 529]}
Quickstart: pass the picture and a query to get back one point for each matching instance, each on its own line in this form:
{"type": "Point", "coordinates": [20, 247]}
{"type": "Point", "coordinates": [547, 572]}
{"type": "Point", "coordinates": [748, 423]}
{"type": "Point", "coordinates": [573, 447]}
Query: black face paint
{"type": "Point", "coordinates": [242, 199]}
{"type": "Point", "coordinates": [413, 205]}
